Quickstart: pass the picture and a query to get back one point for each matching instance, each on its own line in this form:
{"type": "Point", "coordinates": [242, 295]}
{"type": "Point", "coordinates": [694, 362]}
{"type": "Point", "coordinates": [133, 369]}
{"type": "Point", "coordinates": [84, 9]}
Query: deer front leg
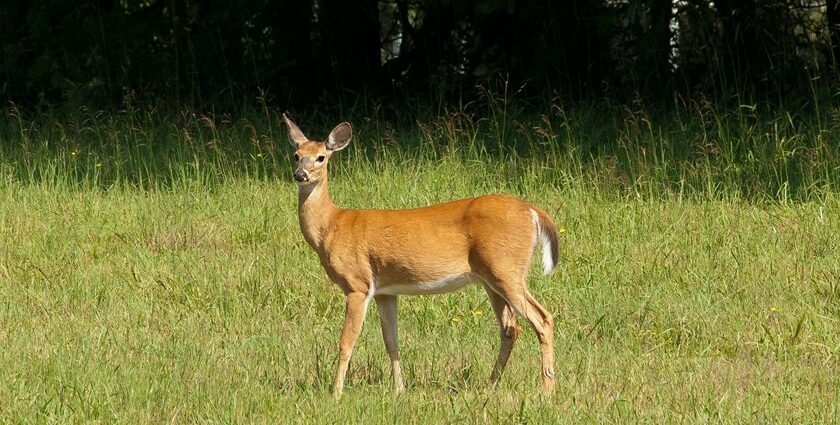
{"type": "Point", "coordinates": [355, 304]}
{"type": "Point", "coordinates": [387, 305]}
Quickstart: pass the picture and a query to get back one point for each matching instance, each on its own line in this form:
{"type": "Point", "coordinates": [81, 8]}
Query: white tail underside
{"type": "Point", "coordinates": [547, 262]}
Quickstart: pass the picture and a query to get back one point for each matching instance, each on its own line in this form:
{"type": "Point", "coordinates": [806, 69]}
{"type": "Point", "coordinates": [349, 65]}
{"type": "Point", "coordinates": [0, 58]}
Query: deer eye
{"type": "Point", "coordinates": [320, 158]}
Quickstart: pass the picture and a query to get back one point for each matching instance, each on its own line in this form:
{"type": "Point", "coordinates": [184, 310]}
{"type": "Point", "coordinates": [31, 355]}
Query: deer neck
{"type": "Point", "coordinates": [315, 212]}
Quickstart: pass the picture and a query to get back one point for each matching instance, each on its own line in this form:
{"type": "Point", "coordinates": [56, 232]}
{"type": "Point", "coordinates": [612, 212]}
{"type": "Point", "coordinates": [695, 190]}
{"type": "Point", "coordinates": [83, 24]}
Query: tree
{"type": "Point", "coordinates": [832, 15]}
{"type": "Point", "coordinates": [351, 41]}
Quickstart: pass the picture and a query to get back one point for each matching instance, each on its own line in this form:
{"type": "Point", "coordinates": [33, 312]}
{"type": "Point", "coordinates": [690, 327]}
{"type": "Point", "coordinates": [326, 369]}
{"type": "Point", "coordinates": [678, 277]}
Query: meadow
{"type": "Point", "coordinates": [152, 268]}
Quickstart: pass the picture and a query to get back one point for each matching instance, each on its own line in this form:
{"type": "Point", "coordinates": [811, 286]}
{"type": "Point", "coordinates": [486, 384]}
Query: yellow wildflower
{"type": "Point", "coordinates": [456, 319]}
{"type": "Point", "coordinates": [477, 312]}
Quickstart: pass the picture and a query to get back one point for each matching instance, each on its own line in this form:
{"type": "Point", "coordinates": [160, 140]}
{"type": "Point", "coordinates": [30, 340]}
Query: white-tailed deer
{"type": "Point", "coordinates": [379, 254]}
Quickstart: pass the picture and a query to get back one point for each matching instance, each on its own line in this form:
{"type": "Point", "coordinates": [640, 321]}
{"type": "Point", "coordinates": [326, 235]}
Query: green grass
{"type": "Point", "coordinates": [699, 278]}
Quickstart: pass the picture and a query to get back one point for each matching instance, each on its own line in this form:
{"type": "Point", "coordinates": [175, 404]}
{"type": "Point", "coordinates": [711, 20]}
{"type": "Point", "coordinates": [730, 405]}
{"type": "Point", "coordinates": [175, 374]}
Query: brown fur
{"type": "Point", "coordinates": [367, 251]}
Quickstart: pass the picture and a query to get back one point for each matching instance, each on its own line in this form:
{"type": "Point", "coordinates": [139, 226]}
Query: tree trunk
{"type": "Point", "coordinates": [832, 16]}
{"type": "Point", "coordinates": [660, 36]}
{"type": "Point", "coordinates": [744, 53]}
{"type": "Point", "coordinates": [351, 36]}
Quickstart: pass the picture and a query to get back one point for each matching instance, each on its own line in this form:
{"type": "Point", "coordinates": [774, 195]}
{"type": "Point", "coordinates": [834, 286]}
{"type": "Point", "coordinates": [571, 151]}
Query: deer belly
{"type": "Point", "coordinates": [447, 284]}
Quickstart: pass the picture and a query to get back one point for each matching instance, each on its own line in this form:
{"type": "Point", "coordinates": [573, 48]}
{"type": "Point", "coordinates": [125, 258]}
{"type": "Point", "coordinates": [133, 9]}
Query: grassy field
{"type": "Point", "coordinates": [152, 269]}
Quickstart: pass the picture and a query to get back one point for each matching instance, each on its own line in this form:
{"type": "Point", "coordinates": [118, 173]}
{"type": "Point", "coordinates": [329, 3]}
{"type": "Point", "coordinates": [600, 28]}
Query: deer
{"type": "Point", "coordinates": [373, 254]}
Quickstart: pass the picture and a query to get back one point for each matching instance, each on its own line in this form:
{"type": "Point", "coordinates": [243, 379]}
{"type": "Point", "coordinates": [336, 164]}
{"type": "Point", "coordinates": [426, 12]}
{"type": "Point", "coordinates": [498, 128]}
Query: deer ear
{"type": "Point", "coordinates": [296, 136]}
{"type": "Point", "coordinates": [340, 137]}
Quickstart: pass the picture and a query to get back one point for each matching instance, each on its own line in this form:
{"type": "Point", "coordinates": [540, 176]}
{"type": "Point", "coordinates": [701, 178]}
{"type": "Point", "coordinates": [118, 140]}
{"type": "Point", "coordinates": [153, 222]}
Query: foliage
{"type": "Point", "coordinates": [693, 147]}
{"type": "Point", "coordinates": [296, 51]}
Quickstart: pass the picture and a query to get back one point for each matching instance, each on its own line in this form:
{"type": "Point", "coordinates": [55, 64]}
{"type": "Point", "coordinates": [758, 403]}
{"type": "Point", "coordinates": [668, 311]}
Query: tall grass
{"type": "Point", "coordinates": [690, 148]}
{"type": "Point", "coordinates": [152, 269]}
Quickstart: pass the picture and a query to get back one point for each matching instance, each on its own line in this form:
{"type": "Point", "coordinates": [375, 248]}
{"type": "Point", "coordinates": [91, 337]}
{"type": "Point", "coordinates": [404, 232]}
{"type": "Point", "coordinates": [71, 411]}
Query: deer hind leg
{"type": "Point", "coordinates": [509, 331]}
{"type": "Point", "coordinates": [539, 317]}
{"type": "Point", "coordinates": [517, 296]}
{"type": "Point", "coordinates": [387, 306]}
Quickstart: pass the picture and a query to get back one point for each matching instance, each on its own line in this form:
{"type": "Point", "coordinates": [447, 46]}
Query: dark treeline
{"type": "Point", "coordinates": [213, 51]}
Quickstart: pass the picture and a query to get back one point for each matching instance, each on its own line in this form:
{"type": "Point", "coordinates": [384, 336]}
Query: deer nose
{"type": "Point", "coordinates": [300, 175]}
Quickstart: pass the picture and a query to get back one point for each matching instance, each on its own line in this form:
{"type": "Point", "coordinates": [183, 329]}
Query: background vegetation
{"type": "Point", "coordinates": [152, 268]}
{"type": "Point", "coordinates": [296, 52]}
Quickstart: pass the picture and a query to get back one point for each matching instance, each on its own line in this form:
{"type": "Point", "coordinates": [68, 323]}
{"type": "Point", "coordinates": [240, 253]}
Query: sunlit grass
{"type": "Point", "coordinates": [158, 273]}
